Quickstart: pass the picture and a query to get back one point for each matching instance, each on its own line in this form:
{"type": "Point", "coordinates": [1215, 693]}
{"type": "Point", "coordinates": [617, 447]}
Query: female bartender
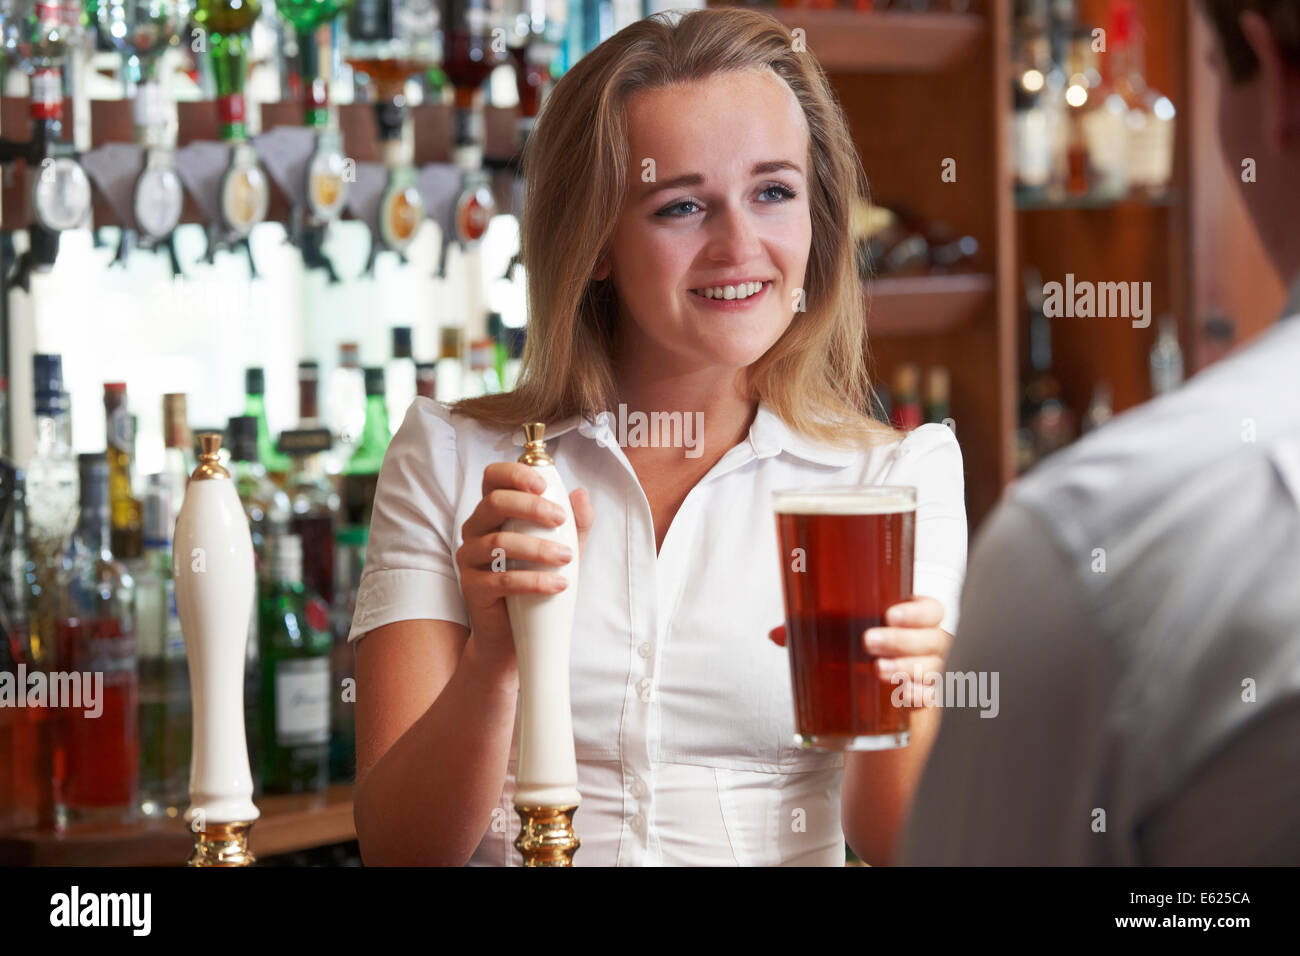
{"type": "Point", "coordinates": [686, 238]}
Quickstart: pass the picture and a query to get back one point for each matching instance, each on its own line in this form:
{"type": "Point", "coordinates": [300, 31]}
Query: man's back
{"type": "Point", "coordinates": [1139, 597]}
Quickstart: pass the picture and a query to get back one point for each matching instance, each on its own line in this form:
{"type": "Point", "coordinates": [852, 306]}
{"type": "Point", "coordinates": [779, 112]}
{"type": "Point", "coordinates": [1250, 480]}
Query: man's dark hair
{"type": "Point", "coordinates": [1283, 18]}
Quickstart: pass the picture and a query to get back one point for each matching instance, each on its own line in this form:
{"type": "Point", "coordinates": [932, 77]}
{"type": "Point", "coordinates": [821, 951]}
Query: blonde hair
{"type": "Point", "coordinates": [815, 377]}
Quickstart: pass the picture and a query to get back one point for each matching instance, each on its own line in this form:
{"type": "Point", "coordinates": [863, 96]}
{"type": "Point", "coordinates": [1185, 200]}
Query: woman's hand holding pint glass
{"type": "Point", "coordinates": [847, 557]}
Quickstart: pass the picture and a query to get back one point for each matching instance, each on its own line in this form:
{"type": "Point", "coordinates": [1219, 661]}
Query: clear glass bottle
{"type": "Point", "coordinates": [1166, 358]}
{"type": "Point", "coordinates": [451, 363]}
{"type": "Point", "coordinates": [163, 671]}
{"type": "Point", "coordinates": [295, 648]}
{"type": "Point", "coordinates": [399, 375]}
{"type": "Point", "coordinates": [97, 637]}
{"type": "Point", "coordinates": [51, 504]}
{"type": "Point", "coordinates": [347, 401]}
{"type": "Point", "coordinates": [1150, 116]}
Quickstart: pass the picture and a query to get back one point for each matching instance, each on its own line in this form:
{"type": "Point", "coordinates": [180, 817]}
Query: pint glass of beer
{"type": "Point", "coordinates": [846, 557]}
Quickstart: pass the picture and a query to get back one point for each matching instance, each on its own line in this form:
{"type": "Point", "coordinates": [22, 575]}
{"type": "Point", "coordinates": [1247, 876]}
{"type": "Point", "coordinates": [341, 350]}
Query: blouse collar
{"type": "Point", "coordinates": [768, 435]}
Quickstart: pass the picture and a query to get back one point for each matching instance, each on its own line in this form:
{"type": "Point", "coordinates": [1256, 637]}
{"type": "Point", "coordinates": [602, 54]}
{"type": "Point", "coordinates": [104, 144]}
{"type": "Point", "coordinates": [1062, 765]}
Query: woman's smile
{"type": "Point", "coordinates": [733, 297]}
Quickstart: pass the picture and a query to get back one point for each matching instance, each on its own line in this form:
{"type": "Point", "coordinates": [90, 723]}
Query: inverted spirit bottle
{"type": "Point", "coordinates": [470, 57]}
{"type": "Point", "coordinates": [97, 640]}
{"type": "Point", "coordinates": [295, 652]}
{"type": "Point", "coordinates": [141, 30]}
{"type": "Point", "coordinates": [327, 186]}
{"type": "Point", "coordinates": [390, 41]}
{"type": "Point", "coordinates": [227, 27]}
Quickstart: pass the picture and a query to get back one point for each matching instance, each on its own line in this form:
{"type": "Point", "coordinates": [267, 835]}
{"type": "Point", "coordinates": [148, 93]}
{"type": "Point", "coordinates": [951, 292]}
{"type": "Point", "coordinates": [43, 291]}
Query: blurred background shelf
{"type": "Point", "coordinates": [848, 41]}
{"type": "Point", "coordinates": [288, 823]}
{"type": "Point", "coordinates": [926, 305]}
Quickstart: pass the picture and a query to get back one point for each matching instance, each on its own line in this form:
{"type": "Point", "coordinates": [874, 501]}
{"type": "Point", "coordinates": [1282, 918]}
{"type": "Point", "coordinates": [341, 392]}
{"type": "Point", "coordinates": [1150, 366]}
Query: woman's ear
{"type": "Point", "coordinates": [602, 269]}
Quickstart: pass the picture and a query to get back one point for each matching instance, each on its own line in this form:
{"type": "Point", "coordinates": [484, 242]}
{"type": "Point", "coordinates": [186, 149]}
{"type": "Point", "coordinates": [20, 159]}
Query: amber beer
{"type": "Point", "coordinates": [846, 557]}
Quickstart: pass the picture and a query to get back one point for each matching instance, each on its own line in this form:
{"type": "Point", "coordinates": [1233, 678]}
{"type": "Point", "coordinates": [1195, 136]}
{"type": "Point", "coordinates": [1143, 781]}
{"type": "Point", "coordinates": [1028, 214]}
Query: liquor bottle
{"type": "Point", "coordinates": [1150, 117]}
{"type": "Point", "coordinates": [227, 27]}
{"type": "Point", "coordinates": [937, 391]}
{"type": "Point", "coordinates": [97, 637]}
{"type": "Point", "coordinates": [51, 504]}
{"type": "Point", "coordinates": [361, 475]}
{"type": "Point", "coordinates": [178, 451]}
{"type": "Point", "coordinates": [60, 195]}
{"type": "Point", "coordinates": [1031, 120]}
{"type": "Point", "coordinates": [347, 401]}
{"type": "Point", "coordinates": [163, 669]}
{"type": "Point", "coordinates": [400, 376]}
{"type": "Point", "coordinates": [469, 58]}
{"type": "Point", "coordinates": [314, 506]}
{"type": "Point", "coordinates": [1100, 408]}
{"type": "Point", "coordinates": [277, 465]}
{"type": "Point", "coordinates": [1101, 122]}
{"type": "Point", "coordinates": [308, 394]}
{"type": "Point", "coordinates": [142, 32]}
{"type": "Point", "coordinates": [426, 380]}
{"type": "Point", "coordinates": [350, 557]}
{"type": "Point", "coordinates": [482, 369]}
{"type": "Point", "coordinates": [390, 41]}
{"type": "Point", "coordinates": [907, 398]}
{"type": "Point", "coordinates": [327, 186]}
{"type": "Point", "coordinates": [27, 734]}
{"type": "Point", "coordinates": [265, 503]}
{"type": "Point", "coordinates": [1166, 358]}
{"type": "Point", "coordinates": [295, 654]}
{"type": "Point", "coordinates": [451, 363]}
{"type": "Point", "coordinates": [127, 541]}
{"type": "Point", "coordinates": [534, 34]}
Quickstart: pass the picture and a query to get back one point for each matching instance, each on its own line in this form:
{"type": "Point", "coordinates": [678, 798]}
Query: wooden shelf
{"type": "Point", "coordinates": [288, 823]}
{"type": "Point", "coordinates": [925, 305]}
{"type": "Point", "coordinates": [846, 41]}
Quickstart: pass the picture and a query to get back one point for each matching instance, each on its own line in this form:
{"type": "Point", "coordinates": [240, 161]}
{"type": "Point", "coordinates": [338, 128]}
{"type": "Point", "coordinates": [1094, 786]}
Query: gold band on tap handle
{"type": "Point", "coordinates": [546, 836]}
{"type": "Point", "coordinates": [222, 844]}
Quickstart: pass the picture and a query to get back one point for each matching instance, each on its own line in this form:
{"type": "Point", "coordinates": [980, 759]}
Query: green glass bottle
{"type": "Point", "coordinates": [361, 473]}
{"type": "Point", "coordinates": [305, 16]}
{"type": "Point", "coordinates": [228, 26]}
{"type": "Point", "coordinates": [295, 662]}
{"type": "Point", "coordinates": [276, 464]}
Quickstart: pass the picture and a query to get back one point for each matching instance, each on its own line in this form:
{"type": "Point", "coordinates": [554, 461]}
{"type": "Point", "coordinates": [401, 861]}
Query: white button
{"type": "Point", "coordinates": [637, 822]}
{"type": "Point", "coordinates": [643, 687]}
{"type": "Point", "coordinates": [645, 650]}
{"type": "Point", "coordinates": [638, 787]}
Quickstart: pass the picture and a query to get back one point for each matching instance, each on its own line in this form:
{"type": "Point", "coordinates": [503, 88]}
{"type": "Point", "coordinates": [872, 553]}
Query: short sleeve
{"type": "Point", "coordinates": [929, 459]}
{"type": "Point", "coordinates": [410, 571]}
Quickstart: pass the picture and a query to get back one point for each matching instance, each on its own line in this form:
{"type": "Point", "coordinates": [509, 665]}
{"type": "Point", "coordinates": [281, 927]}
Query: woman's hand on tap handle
{"type": "Point", "coordinates": [511, 489]}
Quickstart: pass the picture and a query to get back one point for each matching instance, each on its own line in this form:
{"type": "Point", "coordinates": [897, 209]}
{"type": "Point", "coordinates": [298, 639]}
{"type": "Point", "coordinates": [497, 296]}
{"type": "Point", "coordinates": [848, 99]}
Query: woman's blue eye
{"type": "Point", "coordinates": [667, 211]}
{"type": "Point", "coordinates": [782, 192]}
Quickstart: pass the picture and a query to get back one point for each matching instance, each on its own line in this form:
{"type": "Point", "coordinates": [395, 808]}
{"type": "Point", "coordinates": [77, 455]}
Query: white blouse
{"type": "Point", "coordinates": [683, 714]}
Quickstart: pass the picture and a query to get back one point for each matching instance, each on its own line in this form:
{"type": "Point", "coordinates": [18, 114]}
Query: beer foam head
{"type": "Point", "coordinates": [870, 500]}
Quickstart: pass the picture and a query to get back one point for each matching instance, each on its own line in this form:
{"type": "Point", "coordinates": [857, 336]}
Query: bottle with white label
{"type": "Point", "coordinates": [294, 643]}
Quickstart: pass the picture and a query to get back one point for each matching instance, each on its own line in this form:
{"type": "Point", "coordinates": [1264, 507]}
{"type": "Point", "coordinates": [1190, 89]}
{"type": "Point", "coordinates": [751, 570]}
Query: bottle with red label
{"type": "Point", "coordinates": [472, 52]}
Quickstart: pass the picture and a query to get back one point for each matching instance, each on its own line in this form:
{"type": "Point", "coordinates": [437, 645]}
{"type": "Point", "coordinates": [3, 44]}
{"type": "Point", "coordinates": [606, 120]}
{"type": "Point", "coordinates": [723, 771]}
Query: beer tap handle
{"type": "Point", "coordinates": [546, 794]}
{"type": "Point", "coordinates": [213, 568]}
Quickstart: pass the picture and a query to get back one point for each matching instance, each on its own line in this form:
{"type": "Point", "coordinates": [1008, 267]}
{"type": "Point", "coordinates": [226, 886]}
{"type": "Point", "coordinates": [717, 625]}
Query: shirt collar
{"type": "Point", "coordinates": [768, 436]}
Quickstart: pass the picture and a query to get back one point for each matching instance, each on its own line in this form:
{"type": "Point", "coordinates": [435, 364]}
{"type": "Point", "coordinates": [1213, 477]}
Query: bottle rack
{"type": "Point", "coordinates": [111, 123]}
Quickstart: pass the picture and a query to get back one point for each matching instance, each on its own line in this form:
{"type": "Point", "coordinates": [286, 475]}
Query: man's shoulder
{"type": "Point", "coordinates": [1238, 416]}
